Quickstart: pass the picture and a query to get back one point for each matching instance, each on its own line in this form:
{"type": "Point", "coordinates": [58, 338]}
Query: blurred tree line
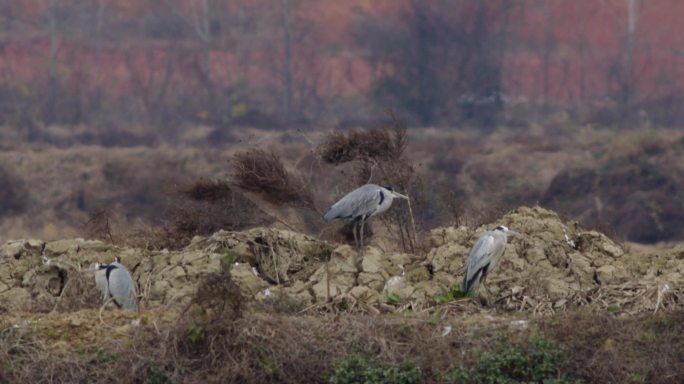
{"type": "Point", "coordinates": [143, 70]}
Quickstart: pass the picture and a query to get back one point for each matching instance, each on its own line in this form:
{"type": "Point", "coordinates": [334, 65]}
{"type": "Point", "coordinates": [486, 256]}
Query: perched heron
{"type": "Point", "coordinates": [116, 282]}
{"type": "Point", "coordinates": [484, 256]}
{"type": "Point", "coordinates": [361, 204]}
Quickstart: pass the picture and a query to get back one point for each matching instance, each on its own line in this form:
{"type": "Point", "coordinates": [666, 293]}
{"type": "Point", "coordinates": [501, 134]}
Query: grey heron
{"type": "Point", "coordinates": [484, 256]}
{"type": "Point", "coordinates": [116, 283]}
{"type": "Point", "coordinates": [361, 204]}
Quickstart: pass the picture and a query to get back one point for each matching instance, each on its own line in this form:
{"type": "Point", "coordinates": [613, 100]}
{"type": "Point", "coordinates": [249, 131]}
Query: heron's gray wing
{"type": "Point", "coordinates": [359, 202]}
{"type": "Point", "coordinates": [122, 288]}
{"type": "Point", "coordinates": [478, 256]}
{"type": "Point", "coordinates": [484, 254]}
{"type": "Point", "coordinates": [498, 249]}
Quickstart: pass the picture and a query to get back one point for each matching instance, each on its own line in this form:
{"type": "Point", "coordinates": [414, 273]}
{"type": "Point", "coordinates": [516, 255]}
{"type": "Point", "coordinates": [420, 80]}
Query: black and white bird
{"type": "Point", "coordinates": [115, 282]}
{"type": "Point", "coordinates": [485, 255]}
{"type": "Point", "coordinates": [361, 204]}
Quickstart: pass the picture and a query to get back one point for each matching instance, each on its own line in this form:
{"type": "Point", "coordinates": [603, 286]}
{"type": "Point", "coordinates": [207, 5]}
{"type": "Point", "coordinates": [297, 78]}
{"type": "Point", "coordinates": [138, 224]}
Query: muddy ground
{"type": "Point", "coordinates": [555, 269]}
{"type": "Point", "coordinates": [552, 266]}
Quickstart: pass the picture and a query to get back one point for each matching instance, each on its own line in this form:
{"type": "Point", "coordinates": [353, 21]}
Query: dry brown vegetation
{"type": "Point", "coordinates": [634, 193]}
{"type": "Point", "coordinates": [220, 338]}
{"type": "Point", "coordinates": [603, 349]}
{"type": "Point", "coordinates": [207, 206]}
{"type": "Point", "coordinates": [377, 156]}
{"type": "Point", "coordinates": [373, 144]}
{"type": "Point", "coordinates": [201, 208]}
{"type": "Point", "coordinates": [596, 176]}
{"type": "Point", "coordinates": [13, 193]}
{"type": "Point", "coordinates": [214, 341]}
{"type": "Point", "coordinates": [264, 173]}
{"type": "Point", "coordinates": [73, 288]}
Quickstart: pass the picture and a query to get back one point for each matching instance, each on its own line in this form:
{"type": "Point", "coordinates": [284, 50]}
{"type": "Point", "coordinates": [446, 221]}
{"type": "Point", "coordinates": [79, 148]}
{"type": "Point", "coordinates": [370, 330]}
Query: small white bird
{"type": "Point", "coordinates": [115, 282]}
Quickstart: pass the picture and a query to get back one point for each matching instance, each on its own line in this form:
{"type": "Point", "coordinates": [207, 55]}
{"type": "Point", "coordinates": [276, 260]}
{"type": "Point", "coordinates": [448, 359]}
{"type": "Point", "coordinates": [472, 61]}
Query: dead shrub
{"type": "Point", "coordinates": [264, 173]}
{"type": "Point", "coordinates": [400, 220]}
{"type": "Point", "coordinates": [207, 206]}
{"type": "Point", "coordinates": [14, 196]}
{"type": "Point", "coordinates": [654, 146]}
{"type": "Point", "coordinates": [460, 212]}
{"type": "Point", "coordinates": [209, 319]}
{"type": "Point", "coordinates": [98, 226]}
{"type": "Point", "coordinates": [379, 143]}
{"type": "Point", "coordinates": [79, 292]}
{"type": "Point", "coordinates": [139, 191]}
{"type": "Point", "coordinates": [208, 190]}
{"type": "Point", "coordinates": [198, 209]}
{"type": "Point", "coordinates": [378, 157]}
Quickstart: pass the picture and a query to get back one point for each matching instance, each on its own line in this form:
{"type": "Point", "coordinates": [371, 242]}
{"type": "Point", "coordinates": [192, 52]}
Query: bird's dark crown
{"type": "Point", "coordinates": [501, 228]}
{"type": "Point", "coordinates": [389, 188]}
{"type": "Point", "coordinates": [101, 266]}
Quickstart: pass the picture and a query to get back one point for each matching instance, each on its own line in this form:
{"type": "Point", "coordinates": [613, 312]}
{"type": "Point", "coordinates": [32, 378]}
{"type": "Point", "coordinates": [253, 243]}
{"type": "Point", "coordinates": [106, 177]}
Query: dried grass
{"type": "Point", "coordinates": [209, 205]}
{"type": "Point", "coordinates": [605, 349]}
{"type": "Point", "coordinates": [633, 195]}
{"type": "Point", "coordinates": [64, 288]}
{"type": "Point", "coordinates": [213, 347]}
{"type": "Point", "coordinates": [461, 213]}
{"type": "Point", "coordinates": [375, 143]}
{"type": "Point", "coordinates": [207, 322]}
{"type": "Point", "coordinates": [78, 291]}
{"type": "Point", "coordinates": [264, 173]}
{"type": "Point", "coordinates": [14, 196]}
{"type": "Point", "coordinates": [99, 226]}
{"type": "Point", "coordinates": [216, 339]}
{"type": "Point", "coordinates": [384, 143]}
{"type": "Point", "coordinates": [200, 208]}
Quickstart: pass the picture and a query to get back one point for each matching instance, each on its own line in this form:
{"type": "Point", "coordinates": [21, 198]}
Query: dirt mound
{"type": "Point", "coordinates": [556, 265]}
{"type": "Point", "coordinates": [552, 266]}
{"type": "Point", "coordinates": [35, 274]}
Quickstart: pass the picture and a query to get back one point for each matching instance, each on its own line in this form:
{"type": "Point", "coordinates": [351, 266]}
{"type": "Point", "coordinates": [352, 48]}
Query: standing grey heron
{"type": "Point", "coordinates": [484, 256]}
{"type": "Point", "coordinates": [116, 282]}
{"type": "Point", "coordinates": [361, 204]}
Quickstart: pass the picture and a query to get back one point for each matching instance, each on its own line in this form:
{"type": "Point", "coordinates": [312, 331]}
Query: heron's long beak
{"type": "Point", "coordinates": [94, 268]}
{"type": "Point", "coordinates": [399, 195]}
{"type": "Point", "coordinates": [512, 232]}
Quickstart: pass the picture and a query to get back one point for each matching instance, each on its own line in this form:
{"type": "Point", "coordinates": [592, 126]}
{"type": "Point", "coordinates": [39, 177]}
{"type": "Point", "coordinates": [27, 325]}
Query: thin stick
{"type": "Point", "coordinates": [284, 222]}
{"type": "Point", "coordinates": [275, 264]}
{"type": "Point", "coordinates": [61, 295]}
{"type": "Point", "coordinates": [327, 280]}
{"type": "Point", "coordinates": [413, 222]}
{"type": "Point", "coordinates": [311, 143]}
{"type": "Point", "coordinates": [102, 309]}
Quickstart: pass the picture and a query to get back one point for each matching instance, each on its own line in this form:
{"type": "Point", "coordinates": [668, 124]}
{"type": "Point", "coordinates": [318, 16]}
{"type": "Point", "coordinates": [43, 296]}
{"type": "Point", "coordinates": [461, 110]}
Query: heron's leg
{"type": "Point", "coordinates": [356, 239]}
{"type": "Point", "coordinates": [488, 293]}
{"type": "Point", "coordinates": [363, 222]}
